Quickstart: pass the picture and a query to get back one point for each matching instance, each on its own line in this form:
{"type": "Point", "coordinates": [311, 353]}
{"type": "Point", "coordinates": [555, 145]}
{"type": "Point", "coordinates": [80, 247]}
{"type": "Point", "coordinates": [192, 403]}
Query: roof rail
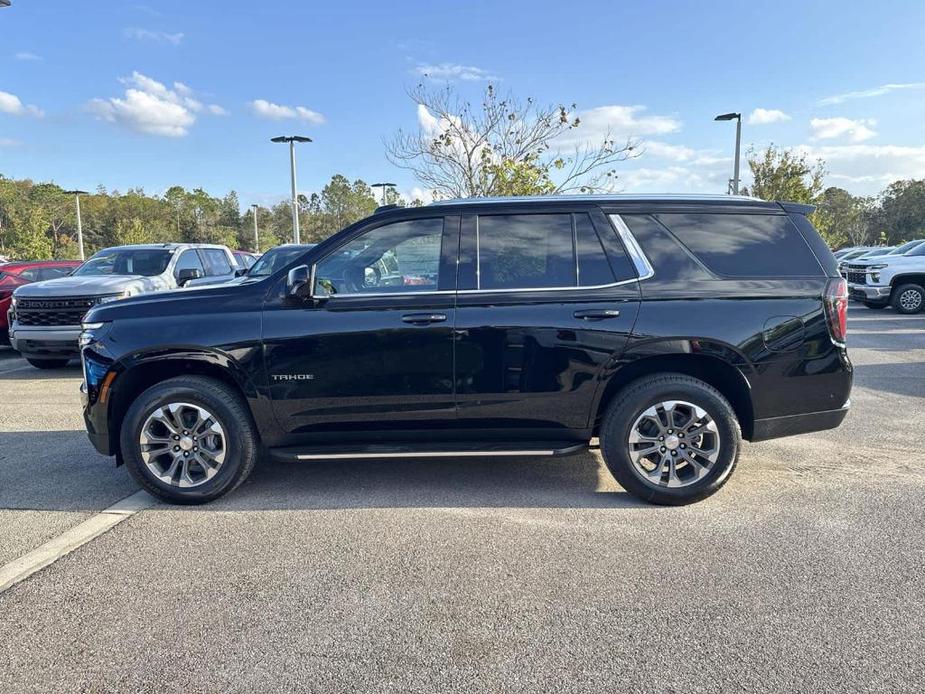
{"type": "Point", "coordinates": [385, 208]}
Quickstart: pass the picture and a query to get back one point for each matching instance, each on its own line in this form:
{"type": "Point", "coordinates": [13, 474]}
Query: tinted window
{"type": "Point", "coordinates": [670, 260]}
{"type": "Point", "coordinates": [276, 259]}
{"type": "Point", "coordinates": [139, 261]}
{"type": "Point", "coordinates": [744, 245]}
{"type": "Point", "coordinates": [189, 260]}
{"type": "Point", "coordinates": [820, 248]}
{"type": "Point", "coordinates": [593, 267]}
{"type": "Point", "coordinates": [216, 262]}
{"type": "Point", "coordinates": [398, 257]}
{"type": "Point", "coordinates": [525, 251]}
{"type": "Point", "coordinates": [31, 274]}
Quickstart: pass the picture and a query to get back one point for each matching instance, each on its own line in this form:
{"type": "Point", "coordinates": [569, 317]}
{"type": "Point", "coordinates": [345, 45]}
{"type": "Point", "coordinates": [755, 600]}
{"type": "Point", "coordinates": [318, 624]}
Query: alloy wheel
{"type": "Point", "coordinates": [673, 444]}
{"type": "Point", "coordinates": [182, 445]}
{"type": "Point", "coordinates": [911, 300]}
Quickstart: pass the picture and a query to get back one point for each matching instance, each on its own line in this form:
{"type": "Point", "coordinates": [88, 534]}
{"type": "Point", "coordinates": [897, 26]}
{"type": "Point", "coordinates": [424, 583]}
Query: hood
{"type": "Point", "coordinates": [891, 261]}
{"type": "Point", "coordinates": [91, 285]}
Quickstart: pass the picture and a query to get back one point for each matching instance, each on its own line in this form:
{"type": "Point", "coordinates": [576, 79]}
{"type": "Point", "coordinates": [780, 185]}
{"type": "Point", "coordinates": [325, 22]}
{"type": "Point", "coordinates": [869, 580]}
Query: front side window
{"type": "Point", "coordinates": [139, 261]}
{"type": "Point", "coordinates": [397, 257]}
{"type": "Point", "coordinates": [189, 260]}
{"type": "Point", "coordinates": [216, 262]}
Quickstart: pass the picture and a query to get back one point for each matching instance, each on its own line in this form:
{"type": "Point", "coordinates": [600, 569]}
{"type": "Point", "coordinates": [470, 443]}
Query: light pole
{"type": "Point", "coordinates": [737, 117]}
{"type": "Point", "coordinates": [80, 231]}
{"type": "Point", "coordinates": [292, 139]}
{"type": "Point", "coordinates": [385, 187]}
{"type": "Point", "coordinates": [256, 207]}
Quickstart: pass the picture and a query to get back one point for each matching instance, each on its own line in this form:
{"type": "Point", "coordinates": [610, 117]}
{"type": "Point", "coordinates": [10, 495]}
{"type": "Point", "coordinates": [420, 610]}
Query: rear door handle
{"type": "Point", "coordinates": [600, 314]}
{"type": "Point", "coordinates": [423, 318]}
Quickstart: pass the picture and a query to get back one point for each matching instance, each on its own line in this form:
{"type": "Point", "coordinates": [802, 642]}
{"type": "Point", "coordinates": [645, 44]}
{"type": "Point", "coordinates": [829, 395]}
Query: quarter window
{"type": "Point", "coordinates": [399, 257]}
{"type": "Point", "coordinates": [744, 245]}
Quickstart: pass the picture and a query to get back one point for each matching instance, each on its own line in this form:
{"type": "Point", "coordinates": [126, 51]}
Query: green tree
{"type": "Point", "coordinates": [842, 218]}
{"type": "Point", "coordinates": [782, 174]}
{"type": "Point", "coordinates": [900, 215]}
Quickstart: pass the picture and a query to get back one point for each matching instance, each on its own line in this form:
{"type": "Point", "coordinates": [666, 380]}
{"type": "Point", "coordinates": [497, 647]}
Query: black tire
{"type": "Point", "coordinates": [874, 306]}
{"type": "Point", "coordinates": [228, 408]}
{"type": "Point", "coordinates": [640, 395]}
{"type": "Point", "coordinates": [48, 363]}
{"type": "Point", "coordinates": [901, 294]}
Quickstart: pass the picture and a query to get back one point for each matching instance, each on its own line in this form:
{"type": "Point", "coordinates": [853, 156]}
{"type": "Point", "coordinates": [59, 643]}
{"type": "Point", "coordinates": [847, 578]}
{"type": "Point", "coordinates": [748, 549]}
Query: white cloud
{"type": "Point", "coordinates": [683, 153]}
{"type": "Point", "coordinates": [617, 123]}
{"type": "Point", "coordinates": [217, 110]}
{"type": "Point", "coordinates": [672, 179]}
{"type": "Point", "coordinates": [9, 142]}
{"type": "Point", "coordinates": [267, 109]}
{"type": "Point", "coordinates": [869, 167]}
{"type": "Point", "coordinates": [26, 55]}
{"type": "Point", "coordinates": [12, 104]}
{"type": "Point", "coordinates": [854, 130]}
{"type": "Point", "coordinates": [765, 116]}
{"type": "Point", "coordinates": [868, 93]}
{"type": "Point", "coordinates": [150, 107]}
{"type": "Point", "coordinates": [150, 35]}
{"type": "Point", "coordinates": [451, 72]}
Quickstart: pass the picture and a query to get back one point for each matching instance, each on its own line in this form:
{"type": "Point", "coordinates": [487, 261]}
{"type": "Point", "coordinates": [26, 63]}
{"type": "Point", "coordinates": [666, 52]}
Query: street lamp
{"type": "Point", "coordinates": [256, 207]}
{"type": "Point", "coordinates": [385, 187]}
{"type": "Point", "coordinates": [737, 117]}
{"type": "Point", "coordinates": [80, 231]}
{"type": "Point", "coordinates": [292, 139]}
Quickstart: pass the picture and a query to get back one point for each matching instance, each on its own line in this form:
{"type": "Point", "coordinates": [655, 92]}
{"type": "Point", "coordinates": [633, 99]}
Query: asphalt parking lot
{"type": "Point", "coordinates": [805, 573]}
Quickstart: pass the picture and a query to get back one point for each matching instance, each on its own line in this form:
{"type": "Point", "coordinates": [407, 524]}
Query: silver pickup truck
{"type": "Point", "coordinates": [45, 316]}
{"type": "Point", "coordinates": [896, 280]}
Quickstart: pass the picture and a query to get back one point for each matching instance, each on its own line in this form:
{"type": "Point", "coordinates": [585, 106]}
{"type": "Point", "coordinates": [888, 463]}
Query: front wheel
{"type": "Point", "coordinates": [670, 439]}
{"type": "Point", "coordinates": [909, 298]}
{"type": "Point", "coordinates": [189, 440]}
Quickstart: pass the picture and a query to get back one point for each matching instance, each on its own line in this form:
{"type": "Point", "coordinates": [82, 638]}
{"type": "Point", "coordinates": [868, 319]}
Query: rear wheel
{"type": "Point", "coordinates": [909, 298]}
{"type": "Point", "coordinates": [48, 363]}
{"type": "Point", "coordinates": [670, 439]}
{"type": "Point", "coordinates": [189, 440]}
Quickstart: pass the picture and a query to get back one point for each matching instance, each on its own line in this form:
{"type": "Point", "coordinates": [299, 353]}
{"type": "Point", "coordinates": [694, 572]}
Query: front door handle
{"type": "Point", "coordinates": [601, 314]}
{"type": "Point", "coordinates": [423, 318]}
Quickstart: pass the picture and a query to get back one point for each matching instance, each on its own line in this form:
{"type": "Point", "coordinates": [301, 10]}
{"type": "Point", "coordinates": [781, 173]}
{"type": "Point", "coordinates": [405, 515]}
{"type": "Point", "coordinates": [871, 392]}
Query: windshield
{"type": "Point", "coordinates": [139, 261]}
{"type": "Point", "coordinates": [275, 259]}
{"type": "Point", "coordinates": [918, 250]}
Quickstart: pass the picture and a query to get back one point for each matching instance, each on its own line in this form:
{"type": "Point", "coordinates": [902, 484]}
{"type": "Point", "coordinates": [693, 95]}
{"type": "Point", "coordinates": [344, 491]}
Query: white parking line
{"type": "Point", "coordinates": [20, 569]}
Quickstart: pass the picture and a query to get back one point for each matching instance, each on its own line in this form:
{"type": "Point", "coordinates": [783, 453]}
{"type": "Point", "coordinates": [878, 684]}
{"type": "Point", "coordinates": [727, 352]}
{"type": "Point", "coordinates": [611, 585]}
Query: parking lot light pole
{"type": "Point", "coordinates": [385, 187]}
{"type": "Point", "coordinates": [737, 117]}
{"type": "Point", "coordinates": [80, 231]}
{"type": "Point", "coordinates": [256, 207]}
{"type": "Point", "coordinates": [292, 139]}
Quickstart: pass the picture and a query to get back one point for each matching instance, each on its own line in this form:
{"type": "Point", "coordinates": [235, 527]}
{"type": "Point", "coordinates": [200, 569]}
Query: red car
{"type": "Point", "coordinates": [19, 272]}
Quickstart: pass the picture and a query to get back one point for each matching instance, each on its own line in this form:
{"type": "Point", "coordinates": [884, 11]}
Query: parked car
{"type": "Point", "coordinates": [17, 273]}
{"type": "Point", "coordinates": [270, 261]}
{"type": "Point", "coordinates": [853, 252]}
{"type": "Point", "coordinates": [243, 259]}
{"type": "Point", "coordinates": [669, 327]}
{"type": "Point", "coordinates": [892, 280]}
{"type": "Point", "coordinates": [45, 316]}
{"type": "Point", "coordinates": [906, 247]}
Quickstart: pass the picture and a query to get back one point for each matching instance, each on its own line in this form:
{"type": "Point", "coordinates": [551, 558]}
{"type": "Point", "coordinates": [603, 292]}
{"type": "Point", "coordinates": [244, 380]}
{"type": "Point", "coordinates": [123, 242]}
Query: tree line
{"type": "Point", "coordinates": [500, 146]}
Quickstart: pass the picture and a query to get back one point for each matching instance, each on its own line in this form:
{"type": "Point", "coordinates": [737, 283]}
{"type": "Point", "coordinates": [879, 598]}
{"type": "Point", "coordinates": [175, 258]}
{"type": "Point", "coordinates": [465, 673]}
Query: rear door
{"type": "Point", "coordinates": [546, 302]}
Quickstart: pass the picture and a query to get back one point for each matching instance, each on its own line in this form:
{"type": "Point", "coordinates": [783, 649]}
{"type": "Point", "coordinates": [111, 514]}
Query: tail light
{"type": "Point", "coordinates": [836, 309]}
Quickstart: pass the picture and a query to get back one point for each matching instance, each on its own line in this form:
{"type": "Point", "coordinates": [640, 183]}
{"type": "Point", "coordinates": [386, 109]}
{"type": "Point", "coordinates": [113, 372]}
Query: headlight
{"type": "Point", "coordinates": [876, 267]}
{"type": "Point", "coordinates": [90, 333]}
{"type": "Point", "coordinates": [113, 297]}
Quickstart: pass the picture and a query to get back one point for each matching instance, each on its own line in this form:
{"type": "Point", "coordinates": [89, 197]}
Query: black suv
{"type": "Point", "coordinates": [669, 327]}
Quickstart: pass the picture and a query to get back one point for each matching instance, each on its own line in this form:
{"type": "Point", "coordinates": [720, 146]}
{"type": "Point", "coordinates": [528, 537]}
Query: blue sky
{"type": "Point", "coordinates": [178, 92]}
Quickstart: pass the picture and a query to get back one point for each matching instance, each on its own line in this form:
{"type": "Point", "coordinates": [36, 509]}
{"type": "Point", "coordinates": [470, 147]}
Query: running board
{"type": "Point", "coordinates": [431, 450]}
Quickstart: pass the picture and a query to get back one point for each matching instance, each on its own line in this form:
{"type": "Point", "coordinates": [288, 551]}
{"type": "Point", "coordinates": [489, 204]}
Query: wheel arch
{"type": "Point", "coordinates": [139, 372]}
{"type": "Point", "coordinates": [719, 373]}
{"type": "Point", "coordinates": [908, 278]}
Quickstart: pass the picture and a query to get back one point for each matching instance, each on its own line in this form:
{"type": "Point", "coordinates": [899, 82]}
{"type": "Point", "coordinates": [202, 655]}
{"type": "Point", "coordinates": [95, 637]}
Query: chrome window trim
{"type": "Point", "coordinates": [636, 254]}
{"type": "Point", "coordinates": [488, 291]}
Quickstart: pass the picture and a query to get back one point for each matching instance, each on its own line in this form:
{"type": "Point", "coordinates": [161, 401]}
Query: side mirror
{"type": "Point", "coordinates": [240, 272]}
{"type": "Point", "coordinates": [298, 282]}
{"type": "Point", "coordinates": [187, 274]}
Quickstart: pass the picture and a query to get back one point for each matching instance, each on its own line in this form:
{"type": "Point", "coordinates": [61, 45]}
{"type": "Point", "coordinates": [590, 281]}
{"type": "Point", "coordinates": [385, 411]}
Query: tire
{"type": "Point", "coordinates": [701, 478]}
{"type": "Point", "coordinates": [48, 363]}
{"type": "Point", "coordinates": [238, 449]}
{"type": "Point", "coordinates": [909, 298]}
{"type": "Point", "coordinates": [874, 306]}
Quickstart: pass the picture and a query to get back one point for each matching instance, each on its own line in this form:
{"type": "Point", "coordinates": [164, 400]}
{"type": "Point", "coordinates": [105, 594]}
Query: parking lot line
{"type": "Point", "coordinates": [20, 569]}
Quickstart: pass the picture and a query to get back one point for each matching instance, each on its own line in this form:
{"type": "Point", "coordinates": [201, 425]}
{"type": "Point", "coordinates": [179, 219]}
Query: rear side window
{"type": "Point", "coordinates": [744, 245]}
{"type": "Point", "coordinates": [216, 262]}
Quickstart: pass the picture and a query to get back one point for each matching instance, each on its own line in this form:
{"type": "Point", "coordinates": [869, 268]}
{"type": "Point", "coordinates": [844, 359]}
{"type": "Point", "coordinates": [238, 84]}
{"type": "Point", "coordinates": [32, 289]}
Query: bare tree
{"type": "Point", "coordinates": [505, 147]}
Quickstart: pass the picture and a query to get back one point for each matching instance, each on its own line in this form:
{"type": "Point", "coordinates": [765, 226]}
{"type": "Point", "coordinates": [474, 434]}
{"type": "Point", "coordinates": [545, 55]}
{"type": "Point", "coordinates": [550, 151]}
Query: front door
{"type": "Point", "coordinates": [377, 354]}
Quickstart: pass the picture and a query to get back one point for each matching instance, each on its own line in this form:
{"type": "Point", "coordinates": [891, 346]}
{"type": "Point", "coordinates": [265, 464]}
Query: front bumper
{"type": "Point", "coordinates": [869, 293]}
{"type": "Point", "coordinates": [790, 425]}
{"type": "Point", "coordinates": [48, 343]}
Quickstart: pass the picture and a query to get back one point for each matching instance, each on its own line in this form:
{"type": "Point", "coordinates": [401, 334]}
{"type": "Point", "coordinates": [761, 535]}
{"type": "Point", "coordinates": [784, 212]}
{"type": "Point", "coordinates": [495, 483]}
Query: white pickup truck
{"type": "Point", "coordinates": [889, 280]}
